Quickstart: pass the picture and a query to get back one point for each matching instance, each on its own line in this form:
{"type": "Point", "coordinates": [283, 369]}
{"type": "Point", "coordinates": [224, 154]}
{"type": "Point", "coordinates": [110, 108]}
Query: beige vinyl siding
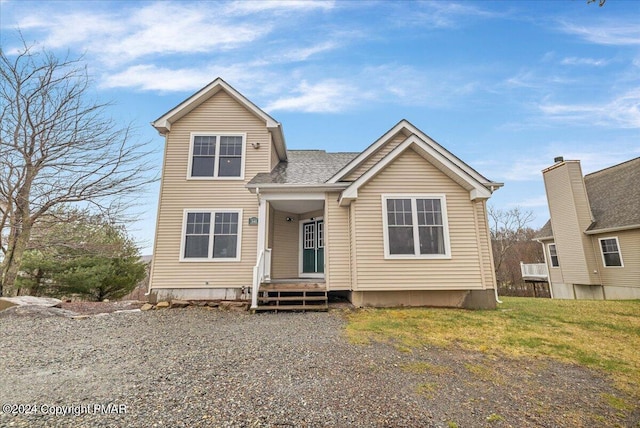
{"type": "Point", "coordinates": [219, 114]}
{"type": "Point", "coordinates": [410, 173]}
{"type": "Point", "coordinates": [629, 246]}
{"type": "Point", "coordinates": [555, 273]}
{"type": "Point", "coordinates": [337, 244]}
{"type": "Point", "coordinates": [484, 243]}
{"type": "Point", "coordinates": [285, 249]}
{"type": "Point", "coordinates": [376, 157]}
{"type": "Point", "coordinates": [570, 217]}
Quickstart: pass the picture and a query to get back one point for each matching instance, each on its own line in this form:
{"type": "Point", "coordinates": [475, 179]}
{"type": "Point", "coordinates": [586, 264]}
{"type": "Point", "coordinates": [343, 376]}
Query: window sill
{"type": "Point", "coordinates": [220, 260]}
{"type": "Point", "coordinates": [216, 178]}
{"type": "Point", "coordinates": [420, 257]}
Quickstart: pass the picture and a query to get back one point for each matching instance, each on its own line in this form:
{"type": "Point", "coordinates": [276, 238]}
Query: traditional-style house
{"type": "Point", "coordinates": [241, 217]}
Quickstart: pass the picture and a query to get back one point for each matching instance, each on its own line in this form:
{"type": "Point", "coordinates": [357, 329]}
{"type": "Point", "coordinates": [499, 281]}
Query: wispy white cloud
{"type": "Point", "coordinates": [623, 111]}
{"type": "Point", "coordinates": [607, 33]}
{"type": "Point", "coordinates": [326, 96]}
{"type": "Point", "coordinates": [250, 7]}
{"type": "Point", "coordinates": [533, 78]}
{"type": "Point", "coordinates": [533, 202]}
{"type": "Point", "coordinates": [159, 28]}
{"type": "Point", "coordinates": [150, 77]}
{"type": "Point", "coordinates": [304, 53]}
{"type": "Point", "coordinates": [596, 62]}
{"type": "Point", "coordinates": [447, 15]}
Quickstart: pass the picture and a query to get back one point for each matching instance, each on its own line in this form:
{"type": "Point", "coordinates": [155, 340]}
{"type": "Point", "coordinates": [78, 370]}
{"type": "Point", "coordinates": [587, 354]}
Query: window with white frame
{"type": "Point", "coordinates": [415, 226]}
{"type": "Point", "coordinates": [217, 156]}
{"type": "Point", "coordinates": [221, 242]}
{"type": "Point", "coordinates": [611, 255]}
{"type": "Point", "coordinates": [553, 255]}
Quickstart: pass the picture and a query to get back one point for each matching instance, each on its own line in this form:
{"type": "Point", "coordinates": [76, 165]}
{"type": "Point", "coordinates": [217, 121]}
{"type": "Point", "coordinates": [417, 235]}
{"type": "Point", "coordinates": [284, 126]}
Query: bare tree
{"type": "Point", "coordinates": [508, 228]}
{"type": "Point", "coordinates": [57, 146]}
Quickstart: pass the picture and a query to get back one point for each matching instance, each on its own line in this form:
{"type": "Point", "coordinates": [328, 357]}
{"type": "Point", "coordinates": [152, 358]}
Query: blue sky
{"type": "Point", "coordinates": [506, 86]}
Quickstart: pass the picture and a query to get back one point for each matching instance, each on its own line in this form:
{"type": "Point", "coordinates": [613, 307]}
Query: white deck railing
{"type": "Point", "coordinates": [261, 272]}
{"type": "Point", "coordinates": [534, 271]}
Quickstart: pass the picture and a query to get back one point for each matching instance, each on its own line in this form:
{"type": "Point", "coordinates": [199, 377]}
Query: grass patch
{"type": "Point", "coordinates": [493, 417]}
{"type": "Point", "coordinates": [428, 389]}
{"type": "Point", "coordinates": [617, 402]}
{"type": "Point", "coordinates": [602, 335]}
{"type": "Point", "coordinates": [422, 367]}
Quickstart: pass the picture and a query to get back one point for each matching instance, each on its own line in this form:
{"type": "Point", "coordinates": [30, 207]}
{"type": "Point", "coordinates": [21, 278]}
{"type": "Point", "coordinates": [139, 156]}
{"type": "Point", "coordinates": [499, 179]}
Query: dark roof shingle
{"type": "Point", "coordinates": [614, 195]}
{"type": "Point", "coordinates": [305, 167]}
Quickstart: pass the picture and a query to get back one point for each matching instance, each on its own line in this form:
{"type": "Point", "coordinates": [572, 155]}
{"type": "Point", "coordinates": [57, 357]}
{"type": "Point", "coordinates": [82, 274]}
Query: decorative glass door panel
{"type": "Point", "coordinates": [313, 247]}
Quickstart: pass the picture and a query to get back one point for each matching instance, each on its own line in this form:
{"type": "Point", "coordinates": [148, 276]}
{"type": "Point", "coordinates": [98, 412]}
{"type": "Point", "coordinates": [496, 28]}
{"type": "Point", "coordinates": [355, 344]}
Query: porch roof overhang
{"type": "Point", "coordinates": [477, 189]}
{"type": "Point", "coordinates": [296, 188]}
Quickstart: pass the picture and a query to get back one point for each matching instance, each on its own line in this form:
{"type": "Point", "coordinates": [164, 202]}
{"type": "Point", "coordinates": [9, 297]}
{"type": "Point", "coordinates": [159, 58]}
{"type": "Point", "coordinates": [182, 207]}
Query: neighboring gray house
{"type": "Point", "coordinates": [592, 241]}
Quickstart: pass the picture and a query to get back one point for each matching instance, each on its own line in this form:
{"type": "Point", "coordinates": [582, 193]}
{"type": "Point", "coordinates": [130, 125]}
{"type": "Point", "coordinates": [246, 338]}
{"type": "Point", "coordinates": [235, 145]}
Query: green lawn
{"type": "Point", "coordinates": [603, 335]}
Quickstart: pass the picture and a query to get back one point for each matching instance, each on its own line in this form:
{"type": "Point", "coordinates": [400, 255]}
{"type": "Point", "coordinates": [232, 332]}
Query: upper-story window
{"type": "Point", "coordinates": [218, 156]}
{"type": "Point", "coordinates": [415, 226]}
{"type": "Point", "coordinates": [611, 255]}
{"type": "Point", "coordinates": [553, 255]}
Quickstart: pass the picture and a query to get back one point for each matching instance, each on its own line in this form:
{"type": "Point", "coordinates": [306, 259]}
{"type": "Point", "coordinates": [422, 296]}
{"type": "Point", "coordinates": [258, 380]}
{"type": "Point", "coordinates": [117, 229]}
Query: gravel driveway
{"type": "Point", "coordinates": [204, 367]}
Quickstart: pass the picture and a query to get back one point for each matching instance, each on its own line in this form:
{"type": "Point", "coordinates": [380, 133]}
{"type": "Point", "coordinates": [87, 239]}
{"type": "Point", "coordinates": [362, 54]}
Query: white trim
{"type": "Point", "coordinates": [292, 196]}
{"type": "Point", "coordinates": [612, 229]}
{"type": "Point", "coordinates": [210, 258]}
{"type": "Point", "coordinates": [455, 164]}
{"type": "Point", "coordinates": [416, 238]}
{"type": "Point", "coordinates": [604, 263]}
{"type": "Point", "coordinates": [262, 227]}
{"type": "Point", "coordinates": [551, 257]}
{"type": "Point", "coordinates": [302, 274]}
{"type": "Point", "coordinates": [216, 159]}
{"type": "Point", "coordinates": [477, 190]}
{"type": "Point", "coordinates": [293, 188]}
{"type": "Point", "coordinates": [163, 123]}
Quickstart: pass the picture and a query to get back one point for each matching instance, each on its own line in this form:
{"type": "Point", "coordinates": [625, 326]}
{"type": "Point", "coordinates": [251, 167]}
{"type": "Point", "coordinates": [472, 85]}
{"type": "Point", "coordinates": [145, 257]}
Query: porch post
{"type": "Point", "coordinates": [262, 227]}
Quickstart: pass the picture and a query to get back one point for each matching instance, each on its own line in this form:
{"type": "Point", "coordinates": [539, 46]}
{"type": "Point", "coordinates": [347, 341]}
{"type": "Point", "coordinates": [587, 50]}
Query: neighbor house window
{"type": "Point", "coordinates": [217, 156]}
{"type": "Point", "coordinates": [212, 235]}
{"type": "Point", "coordinates": [553, 255]}
{"type": "Point", "coordinates": [611, 252]}
{"type": "Point", "coordinates": [415, 227]}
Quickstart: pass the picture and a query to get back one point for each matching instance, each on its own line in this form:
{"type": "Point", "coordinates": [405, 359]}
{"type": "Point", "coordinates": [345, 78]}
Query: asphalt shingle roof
{"type": "Point", "coordinates": [305, 167]}
{"type": "Point", "coordinates": [545, 232]}
{"type": "Point", "coordinates": [614, 195]}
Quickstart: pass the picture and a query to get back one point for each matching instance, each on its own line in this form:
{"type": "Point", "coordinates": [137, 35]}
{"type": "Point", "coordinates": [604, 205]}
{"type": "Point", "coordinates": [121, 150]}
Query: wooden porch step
{"type": "Point", "coordinates": [293, 287]}
{"type": "Point", "coordinates": [276, 308]}
{"type": "Point", "coordinates": [292, 298]}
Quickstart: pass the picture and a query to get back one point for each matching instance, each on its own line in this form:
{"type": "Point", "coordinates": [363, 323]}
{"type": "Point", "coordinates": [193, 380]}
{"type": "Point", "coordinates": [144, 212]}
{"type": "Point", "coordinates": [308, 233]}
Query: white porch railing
{"type": "Point", "coordinates": [534, 271]}
{"type": "Point", "coordinates": [261, 272]}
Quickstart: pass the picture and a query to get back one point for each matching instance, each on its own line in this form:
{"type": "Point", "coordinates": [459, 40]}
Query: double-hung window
{"type": "Point", "coordinates": [553, 255]}
{"type": "Point", "coordinates": [217, 156]}
{"type": "Point", "coordinates": [611, 256]}
{"type": "Point", "coordinates": [415, 226]}
{"type": "Point", "coordinates": [211, 235]}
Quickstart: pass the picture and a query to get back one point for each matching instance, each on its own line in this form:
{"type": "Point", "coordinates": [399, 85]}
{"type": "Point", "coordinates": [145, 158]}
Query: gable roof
{"type": "Point", "coordinates": [614, 196]}
{"type": "Point", "coordinates": [408, 129]}
{"type": "Point", "coordinates": [545, 232]}
{"type": "Point", "coordinates": [444, 163]}
{"type": "Point", "coordinates": [163, 123]}
{"type": "Point", "coordinates": [304, 167]}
